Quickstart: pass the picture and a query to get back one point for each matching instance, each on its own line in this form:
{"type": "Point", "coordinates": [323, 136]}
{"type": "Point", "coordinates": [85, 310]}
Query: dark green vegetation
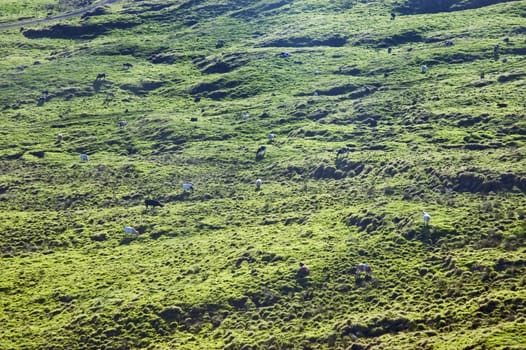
{"type": "Point", "coordinates": [216, 269]}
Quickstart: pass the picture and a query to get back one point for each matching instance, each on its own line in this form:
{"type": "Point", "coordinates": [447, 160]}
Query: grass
{"type": "Point", "coordinates": [216, 269]}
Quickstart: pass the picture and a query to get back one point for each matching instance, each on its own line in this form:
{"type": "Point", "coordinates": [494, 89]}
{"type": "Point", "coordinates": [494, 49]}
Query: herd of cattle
{"type": "Point", "coordinates": [260, 154]}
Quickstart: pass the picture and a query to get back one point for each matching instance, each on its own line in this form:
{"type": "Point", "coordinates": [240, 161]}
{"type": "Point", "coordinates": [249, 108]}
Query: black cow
{"type": "Point", "coordinates": [220, 43]}
{"type": "Point", "coordinates": [153, 203]}
{"type": "Point", "coordinates": [260, 153]}
{"type": "Point", "coordinates": [101, 76]}
{"type": "Point", "coordinates": [342, 151]}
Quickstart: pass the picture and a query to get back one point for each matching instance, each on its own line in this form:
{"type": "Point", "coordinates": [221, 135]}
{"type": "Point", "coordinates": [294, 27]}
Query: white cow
{"type": "Point", "coordinates": [258, 184]}
{"type": "Point", "coordinates": [84, 157]}
{"type": "Point", "coordinates": [188, 187]}
{"type": "Point", "coordinates": [423, 69]}
{"type": "Point", "coordinates": [130, 230]}
{"type": "Point", "coordinates": [426, 217]}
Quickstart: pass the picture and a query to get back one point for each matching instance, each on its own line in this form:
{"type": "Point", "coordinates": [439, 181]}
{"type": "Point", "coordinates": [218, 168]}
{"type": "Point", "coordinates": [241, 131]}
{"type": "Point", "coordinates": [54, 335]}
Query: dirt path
{"type": "Point", "coordinates": [57, 17]}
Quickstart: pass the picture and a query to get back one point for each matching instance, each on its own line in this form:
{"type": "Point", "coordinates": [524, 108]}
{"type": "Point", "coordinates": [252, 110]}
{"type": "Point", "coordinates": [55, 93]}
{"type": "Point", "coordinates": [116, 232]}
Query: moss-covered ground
{"type": "Point", "coordinates": [364, 142]}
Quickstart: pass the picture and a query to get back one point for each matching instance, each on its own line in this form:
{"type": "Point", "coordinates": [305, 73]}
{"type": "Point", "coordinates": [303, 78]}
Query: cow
{"type": "Point", "coordinates": [131, 230]}
{"type": "Point", "coordinates": [364, 268]}
{"type": "Point", "coordinates": [260, 153]}
{"type": "Point", "coordinates": [188, 187]}
{"type": "Point", "coordinates": [342, 151]}
{"type": "Point", "coordinates": [153, 203]}
{"type": "Point", "coordinates": [303, 270]}
{"type": "Point", "coordinates": [426, 218]}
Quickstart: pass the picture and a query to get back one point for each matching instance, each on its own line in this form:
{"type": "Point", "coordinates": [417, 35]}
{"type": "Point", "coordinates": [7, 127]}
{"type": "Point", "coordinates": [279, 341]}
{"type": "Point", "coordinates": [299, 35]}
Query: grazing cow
{"type": "Point", "coordinates": [84, 157]}
{"type": "Point", "coordinates": [389, 49]}
{"type": "Point", "coordinates": [193, 119]}
{"type": "Point", "coordinates": [245, 116]}
{"type": "Point", "coordinates": [342, 151]}
{"type": "Point", "coordinates": [258, 184]}
{"type": "Point", "coordinates": [220, 43]}
{"type": "Point", "coordinates": [122, 123]}
{"type": "Point", "coordinates": [188, 187]}
{"type": "Point", "coordinates": [260, 153]}
{"type": "Point", "coordinates": [153, 203]}
{"type": "Point", "coordinates": [448, 43]}
{"type": "Point", "coordinates": [496, 52]}
{"type": "Point", "coordinates": [393, 16]}
{"type": "Point", "coordinates": [364, 268]}
{"type": "Point", "coordinates": [506, 40]}
{"type": "Point", "coordinates": [130, 230]}
{"type": "Point", "coordinates": [101, 76]}
{"type": "Point", "coordinates": [284, 54]}
{"type": "Point", "coordinates": [409, 49]}
{"type": "Point", "coordinates": [59, 137]}
{"type": "Point", "coordinates": [316, 72]}
{"type": "Point", "coordinates": [127, 65]}
{"type": "Point", "coordinates": [303, 270]}
{"type": "Point", "coordinates": [271, 137]}
{"type": "Point", "coordinates": [505, 59]}
{"type": "Point", "coordinates": [427, 218]}
{"type": "Point", "coordinates": [423, 69]}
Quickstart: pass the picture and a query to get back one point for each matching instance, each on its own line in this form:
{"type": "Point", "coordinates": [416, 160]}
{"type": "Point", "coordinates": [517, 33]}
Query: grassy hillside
{"type": "Point", "coordinates": [364, 142]}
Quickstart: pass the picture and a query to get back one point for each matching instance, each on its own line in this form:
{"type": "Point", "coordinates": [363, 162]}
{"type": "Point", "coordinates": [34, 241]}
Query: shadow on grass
{"type": "Point", "coordinates": [428, 234]}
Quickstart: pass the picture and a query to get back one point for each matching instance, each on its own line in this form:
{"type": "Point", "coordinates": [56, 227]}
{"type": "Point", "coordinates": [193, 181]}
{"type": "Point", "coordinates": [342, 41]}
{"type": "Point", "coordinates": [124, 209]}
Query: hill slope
{"type": "Point", "coordinates": [364, 142]}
